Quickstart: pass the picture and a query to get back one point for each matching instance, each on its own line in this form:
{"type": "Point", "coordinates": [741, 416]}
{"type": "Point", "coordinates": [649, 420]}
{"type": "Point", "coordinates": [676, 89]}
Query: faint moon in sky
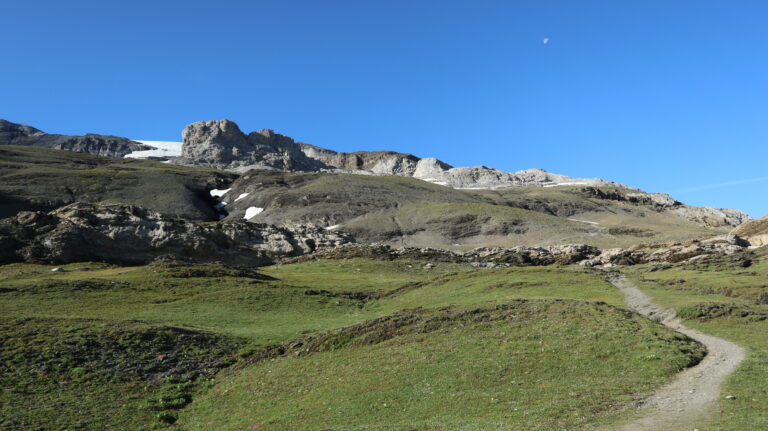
{"type": "Point", "coordinates": [546, 40]}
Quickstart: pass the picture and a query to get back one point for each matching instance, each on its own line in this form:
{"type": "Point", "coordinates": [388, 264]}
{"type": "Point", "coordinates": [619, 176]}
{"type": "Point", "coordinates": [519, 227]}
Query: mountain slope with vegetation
{"type": "Point", "coordinates": [41, 179]}
{"type": "Point", "coordinates": [407, 211]}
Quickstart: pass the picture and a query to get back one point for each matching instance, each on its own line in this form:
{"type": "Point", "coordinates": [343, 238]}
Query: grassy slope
{"type": "Point", "coordinates": [282, 304]}
{"type": "Point", "coordinates": [91, 374]}
{"type": "Point", "coordinates": [531, 365]}
{"type": "Point", "coordinates": [721, 299]}
{"type": "Point", "coordinates": [44, 179]}
{"type": "Point", "coordinates": [620, 224]}
{"type": "Point", "coordinates": [407, 211]}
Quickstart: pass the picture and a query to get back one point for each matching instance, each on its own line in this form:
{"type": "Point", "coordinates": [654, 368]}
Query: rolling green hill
{"type": "Point", "coordinates": [402, 347]}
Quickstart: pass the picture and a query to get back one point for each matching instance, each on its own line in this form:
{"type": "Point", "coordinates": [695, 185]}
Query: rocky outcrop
{"type": "Point", "coordinates": [662, 202]}
{"type": "Point", "coordinates": [532, 256]}
{"type": "Point", "coordinates": [481, 257]}
{"type": "Point", "coordinates": [222, 145]}
{"type": "Point", "coordinates": [711, 216]}
{"type": "Point", "coordinates": [102, 145]}
{"type": "Point", "coordinates": [133, 235]}
{"type": "Point", "coordinates": [483, 177]}
{"type": "Point", "coordinates": [377, 162]}
{"type": "Point", "coordinates": [755, 232]}
{"type": "Point", "coordinates": [675, 252]}
{"type": "Point", "coordinates": [570, 254]}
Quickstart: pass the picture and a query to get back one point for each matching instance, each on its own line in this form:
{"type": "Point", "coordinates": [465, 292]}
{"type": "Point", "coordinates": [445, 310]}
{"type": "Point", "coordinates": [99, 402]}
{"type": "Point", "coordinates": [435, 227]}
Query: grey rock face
{"type": "Point", "coordinates": [102, 145]}
{"type": "Point", "coordinates": [214, 142]}
{"type": "Point", "coordinates": [570, 254]}
{"type": "Point", "coordinates": [222, 145]}
{"type": "Point", "coordinates": [377, 162]}
{"type": "Point", "coordinates": [687, 251]}
{"type": "Point", "coordinates": [133, 235]}
{"type": "Point", "coordinates": [711, 216]}
{"type": "Point", "coordinates": [481, 257]}
{"type": "Point", "coordinates": [10, 132]}
{"type": "Point", "coordinates": [483, 177]}
{"type": "Point", "coordinates": [662, 202]}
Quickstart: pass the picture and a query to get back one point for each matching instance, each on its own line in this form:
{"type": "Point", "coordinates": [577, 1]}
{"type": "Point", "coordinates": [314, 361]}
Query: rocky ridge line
{"type": "Point", "coordinates": [569, 254]}
{"type": "Point", "coordinates": [222, 145]}
{"type": "Point", "coordinates": [101, 145]}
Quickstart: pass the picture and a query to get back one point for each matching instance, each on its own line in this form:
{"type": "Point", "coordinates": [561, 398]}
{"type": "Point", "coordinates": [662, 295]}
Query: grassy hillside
{"type": "Point", "coordinates": [450, 347]}
{"type": "Point", "coordinates": [407, 211]}
{"type": "Point", "coordinates": [524, 364]}
{"type": "Point", "coordinates": [44, 179]}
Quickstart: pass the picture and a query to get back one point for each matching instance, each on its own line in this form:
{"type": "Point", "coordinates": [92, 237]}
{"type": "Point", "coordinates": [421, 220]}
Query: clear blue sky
{"type": "Point", "coordinates": [669, 96]}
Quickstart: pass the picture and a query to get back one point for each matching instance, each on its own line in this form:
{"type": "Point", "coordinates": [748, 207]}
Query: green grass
{"type": "Point", "coordinates": [93, 374]}
{"type": "Point", "coordinates": [721, 299]}
{"type": "Point", "coordinates": [532, 364]}
{"type": "Point", "coordinates": [275, 305]}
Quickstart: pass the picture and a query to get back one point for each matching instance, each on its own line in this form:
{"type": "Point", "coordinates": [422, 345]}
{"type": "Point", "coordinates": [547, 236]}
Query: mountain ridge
{"type": "Point", "coordinates": [222, 145]}
{"type": "Point", "coordinates": [102, 145]}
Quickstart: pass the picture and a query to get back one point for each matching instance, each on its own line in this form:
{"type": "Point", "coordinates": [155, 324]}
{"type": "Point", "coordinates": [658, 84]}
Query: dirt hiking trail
{"type": "Point", "coordinates": [685, 403]}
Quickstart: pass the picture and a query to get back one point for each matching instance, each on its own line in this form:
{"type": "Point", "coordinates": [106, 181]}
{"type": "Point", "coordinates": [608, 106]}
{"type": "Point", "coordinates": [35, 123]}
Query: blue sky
{"type": "Point", "coordinates": [668, 96]}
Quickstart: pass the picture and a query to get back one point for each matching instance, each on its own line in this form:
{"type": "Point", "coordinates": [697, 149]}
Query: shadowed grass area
{"type": "Point", "coordinates": [93, 374]}
{"type": "Point", "coordinates": [43, 179]}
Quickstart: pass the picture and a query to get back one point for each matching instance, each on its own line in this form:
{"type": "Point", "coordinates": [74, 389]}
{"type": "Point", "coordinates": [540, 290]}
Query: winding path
{"type": "Point", "coordinates": [684, 403]}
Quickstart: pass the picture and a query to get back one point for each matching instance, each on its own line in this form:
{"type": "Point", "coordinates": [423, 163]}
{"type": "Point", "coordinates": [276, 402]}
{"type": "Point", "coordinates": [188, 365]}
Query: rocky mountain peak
{"type": "Point", "coordinates": [222, 145]}
{"type": "Point", "coordinates": [214, 142]}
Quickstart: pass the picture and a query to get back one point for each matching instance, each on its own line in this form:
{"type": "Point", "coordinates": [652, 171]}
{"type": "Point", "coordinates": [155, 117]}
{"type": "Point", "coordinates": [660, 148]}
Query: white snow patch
{"type": "Point", "coordinates": [435, 181]}
{"type": "Point", "coordinates": [574, 183]}
{"type": "Point", "coordinates": [220, 205]}
{"type": "Point", "coordinates": [219, 193]}
{"type": "Point", "coordinates": [251, 212]}
{"type": "Point", "coordinates": [478, 188]}
{"type": "Point", "coordinates": [242, 195]}
{"type": "Point", "coordinates": [583, 221]}
{"type": "Point", "coordinates": [161, 149]}
{"type": "Point", "coordinates": [334, 227]}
